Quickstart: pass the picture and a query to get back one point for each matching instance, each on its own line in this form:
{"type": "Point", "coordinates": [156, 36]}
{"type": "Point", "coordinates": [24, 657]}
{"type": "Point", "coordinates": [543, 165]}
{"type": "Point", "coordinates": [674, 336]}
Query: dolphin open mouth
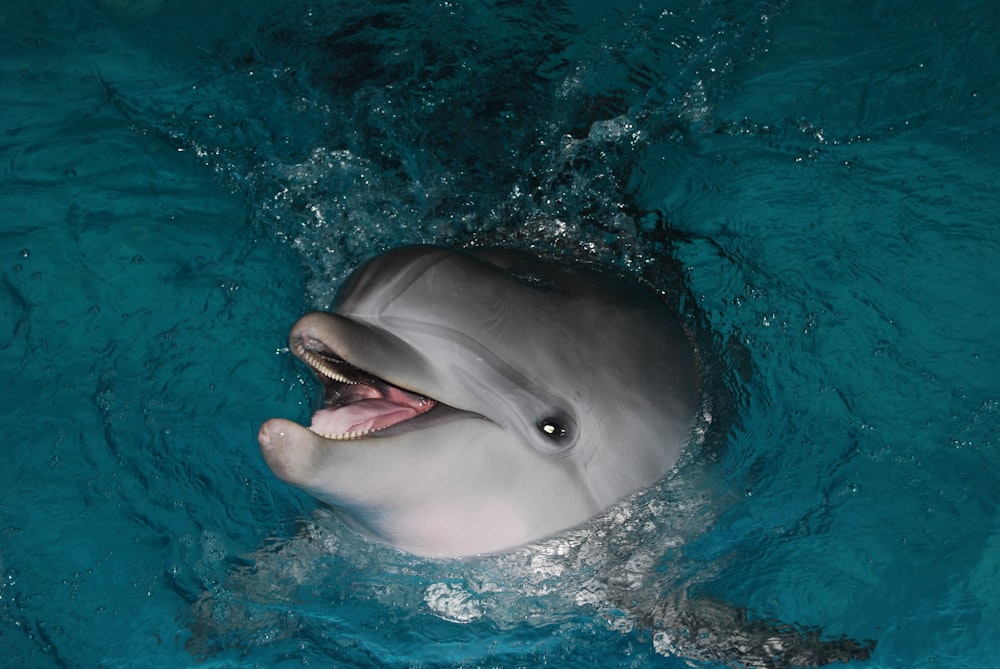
{"type": "Point", "coordinates": [355, 402]}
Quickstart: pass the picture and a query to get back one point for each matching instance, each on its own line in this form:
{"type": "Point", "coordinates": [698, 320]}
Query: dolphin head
{"type": "Point", "coordinates": [476, 401]}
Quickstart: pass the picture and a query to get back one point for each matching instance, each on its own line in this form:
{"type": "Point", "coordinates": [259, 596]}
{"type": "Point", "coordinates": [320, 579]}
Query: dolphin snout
{"type": "Point", "coordinates": [270, 435]}
{"type": "Point", "coordinates": [275, 437]}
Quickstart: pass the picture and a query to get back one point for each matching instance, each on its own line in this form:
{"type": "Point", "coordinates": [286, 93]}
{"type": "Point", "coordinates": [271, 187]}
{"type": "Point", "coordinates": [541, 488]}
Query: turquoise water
{"type": "Point", "coordinates": [180, 181]}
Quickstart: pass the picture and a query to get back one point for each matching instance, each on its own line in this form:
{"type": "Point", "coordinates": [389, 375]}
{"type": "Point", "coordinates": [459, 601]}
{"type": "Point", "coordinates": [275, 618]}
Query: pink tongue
{"type": "Point", "coordinates": [369, 414]}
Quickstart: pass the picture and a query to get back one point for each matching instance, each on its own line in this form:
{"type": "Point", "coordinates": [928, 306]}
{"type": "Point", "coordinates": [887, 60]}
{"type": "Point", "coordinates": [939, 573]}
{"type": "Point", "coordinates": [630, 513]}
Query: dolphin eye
{"type": "Point", "coordinates": [553, 428]}
{"type": "Point", "coordinates": [558, 432]}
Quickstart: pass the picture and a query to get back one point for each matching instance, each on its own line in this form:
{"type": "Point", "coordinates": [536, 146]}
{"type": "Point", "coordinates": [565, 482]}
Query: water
{"type": "Point", "coordinates": [179, 182]}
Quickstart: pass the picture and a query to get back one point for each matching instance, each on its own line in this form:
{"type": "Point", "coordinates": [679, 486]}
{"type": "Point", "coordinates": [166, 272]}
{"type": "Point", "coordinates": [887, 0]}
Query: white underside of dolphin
{"type": "Point", "coordinates": [476, 401]}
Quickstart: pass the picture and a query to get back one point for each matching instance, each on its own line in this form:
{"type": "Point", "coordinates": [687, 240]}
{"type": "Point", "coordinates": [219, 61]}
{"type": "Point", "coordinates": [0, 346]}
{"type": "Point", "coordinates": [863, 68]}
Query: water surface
{"type": "Point", "coordinates": [181, 181]}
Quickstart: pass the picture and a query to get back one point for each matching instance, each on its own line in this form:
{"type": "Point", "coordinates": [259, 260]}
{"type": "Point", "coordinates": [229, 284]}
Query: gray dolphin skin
{"type": "Point", "coordinates": [475, 401]}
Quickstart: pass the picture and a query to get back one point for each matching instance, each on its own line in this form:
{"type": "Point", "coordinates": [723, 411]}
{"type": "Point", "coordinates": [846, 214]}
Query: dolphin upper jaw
{"type": "Point", "coordinates": [363, 347]}
{"type": "Point", "coordinates": [347, 352]}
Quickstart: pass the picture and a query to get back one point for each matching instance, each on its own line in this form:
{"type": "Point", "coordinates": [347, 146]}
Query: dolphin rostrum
{"type": "Point", "coordinates": [478, 400]}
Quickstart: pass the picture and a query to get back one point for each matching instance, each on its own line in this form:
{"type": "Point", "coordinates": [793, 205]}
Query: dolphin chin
{"type": "Point", "coordinates": [475, 401]}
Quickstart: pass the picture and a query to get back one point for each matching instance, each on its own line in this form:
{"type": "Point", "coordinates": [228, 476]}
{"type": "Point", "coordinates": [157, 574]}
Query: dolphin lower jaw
{"type": "Point", "coordinates": [395, 493]}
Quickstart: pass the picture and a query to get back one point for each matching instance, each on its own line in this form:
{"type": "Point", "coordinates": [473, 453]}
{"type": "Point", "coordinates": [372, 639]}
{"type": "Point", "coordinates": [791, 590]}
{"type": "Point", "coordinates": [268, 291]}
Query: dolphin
{"type": "Point", "coordinates": [478, 400]}
{"type": "Point", "coordinates": [475, 401]}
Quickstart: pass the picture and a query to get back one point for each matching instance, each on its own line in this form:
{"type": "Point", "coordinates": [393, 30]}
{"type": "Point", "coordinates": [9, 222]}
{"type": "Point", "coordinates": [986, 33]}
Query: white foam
{"type": "Point", "coordinates": [453, 602]}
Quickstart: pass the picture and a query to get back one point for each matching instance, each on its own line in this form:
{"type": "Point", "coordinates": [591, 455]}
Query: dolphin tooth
{"type": "Point", "coordinates": [345, 436]}
{"type": "Point", "coordinates": [324, 365]}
